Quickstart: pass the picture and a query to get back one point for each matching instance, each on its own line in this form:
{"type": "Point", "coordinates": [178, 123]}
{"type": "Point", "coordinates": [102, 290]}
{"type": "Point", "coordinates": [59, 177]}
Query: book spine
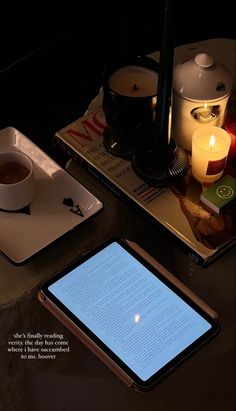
{"type": "Point", "coordinates": [70, 153]}
{"type": "Point", "coordinates": [73, 155]}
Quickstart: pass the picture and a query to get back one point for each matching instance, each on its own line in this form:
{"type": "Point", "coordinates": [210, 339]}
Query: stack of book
{"type": "Point", "coordinates": [204, 233]}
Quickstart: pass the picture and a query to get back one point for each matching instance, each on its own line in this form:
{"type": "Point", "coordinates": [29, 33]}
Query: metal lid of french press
{"type": "Point", "coordinates": [202, 78]}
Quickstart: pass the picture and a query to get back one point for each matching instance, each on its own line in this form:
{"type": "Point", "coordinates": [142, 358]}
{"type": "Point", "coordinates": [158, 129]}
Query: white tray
{"type": "Point", "coordinates": [24, 234]}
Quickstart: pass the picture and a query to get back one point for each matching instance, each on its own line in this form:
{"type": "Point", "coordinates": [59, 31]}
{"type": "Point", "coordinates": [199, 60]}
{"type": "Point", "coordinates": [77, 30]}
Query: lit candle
{"type": "Point", "coordinates": [134, 81]}
{"type": "Point", "coordinates": [210, 147]}
{"type": "Point", "coordinates": [205, 114]}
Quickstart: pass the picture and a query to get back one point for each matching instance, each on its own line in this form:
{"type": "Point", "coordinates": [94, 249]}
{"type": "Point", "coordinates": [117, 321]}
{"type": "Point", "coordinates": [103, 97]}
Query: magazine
{"type": "Point", "coordinates": [204, 234]}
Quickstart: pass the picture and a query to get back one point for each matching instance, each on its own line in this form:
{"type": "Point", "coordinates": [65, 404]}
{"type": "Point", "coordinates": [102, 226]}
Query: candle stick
{"type": "Point", "coordinates": [161, 136]}
{"type": "Point", "coordinates": [160, 162]}
{"type": "Point", "coordinates": [210, 146]}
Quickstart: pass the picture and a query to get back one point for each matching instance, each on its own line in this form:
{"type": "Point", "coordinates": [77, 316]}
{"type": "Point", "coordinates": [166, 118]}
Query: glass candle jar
{"type": "Point", "coordinates": [210, 147]}
{"type": "Point", "coordinates": [129, 103]}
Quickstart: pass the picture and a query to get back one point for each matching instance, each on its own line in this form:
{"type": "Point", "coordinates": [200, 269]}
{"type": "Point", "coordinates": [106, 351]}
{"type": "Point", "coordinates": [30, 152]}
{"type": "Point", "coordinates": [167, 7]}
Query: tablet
{"type": "Point", "coordinates": [134, 316]}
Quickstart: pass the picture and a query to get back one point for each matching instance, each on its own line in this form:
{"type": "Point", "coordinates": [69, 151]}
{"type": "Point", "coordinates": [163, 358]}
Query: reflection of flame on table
{"type": "Point", "coordinates": [209, 228]}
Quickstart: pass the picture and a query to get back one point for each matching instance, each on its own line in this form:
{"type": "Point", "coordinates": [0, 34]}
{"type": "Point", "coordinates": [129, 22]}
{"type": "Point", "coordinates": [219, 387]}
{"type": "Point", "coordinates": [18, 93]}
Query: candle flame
{"type": "Point", "coordinates": [212, 141]}
{"type": "Point", "coordinates": [205, 105]}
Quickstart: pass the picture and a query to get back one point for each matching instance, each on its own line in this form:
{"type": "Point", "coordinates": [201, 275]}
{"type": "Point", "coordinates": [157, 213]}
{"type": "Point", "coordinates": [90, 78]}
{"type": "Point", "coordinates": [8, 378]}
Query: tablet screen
{"type": "Point", "coordinates": [137, 315]}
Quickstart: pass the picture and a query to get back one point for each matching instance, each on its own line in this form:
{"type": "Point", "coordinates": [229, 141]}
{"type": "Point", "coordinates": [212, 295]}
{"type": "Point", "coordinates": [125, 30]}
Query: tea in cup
{"type": "Point", "coordinates": [16, 180]}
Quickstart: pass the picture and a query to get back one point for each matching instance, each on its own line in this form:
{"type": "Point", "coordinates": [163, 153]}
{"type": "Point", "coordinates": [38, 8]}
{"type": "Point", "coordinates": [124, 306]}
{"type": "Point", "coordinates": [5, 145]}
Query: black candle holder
{"type": "Point", "coordinates": [160, 163]}
{"type": "Point", "coordinates": [129, 118]}
{"type": "Point", "coordinates": [160, 168]}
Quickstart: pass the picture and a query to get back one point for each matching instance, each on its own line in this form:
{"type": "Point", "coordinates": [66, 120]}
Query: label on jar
{"type": "Point", "coordinates": [215, 166]}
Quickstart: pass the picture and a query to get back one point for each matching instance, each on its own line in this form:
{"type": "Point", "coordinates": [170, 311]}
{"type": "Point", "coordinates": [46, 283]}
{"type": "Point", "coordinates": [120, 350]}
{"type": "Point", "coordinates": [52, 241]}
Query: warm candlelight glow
{"type": "Point", "coordinates": [210, 146]}
{"type": "Point", "coordinates": [212, 142]}
{"type": "Point", "coordinates": [204, 114]}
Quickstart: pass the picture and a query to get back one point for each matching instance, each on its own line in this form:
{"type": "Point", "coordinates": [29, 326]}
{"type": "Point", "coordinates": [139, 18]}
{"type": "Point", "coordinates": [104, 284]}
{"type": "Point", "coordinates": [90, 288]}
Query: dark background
{"type": "Point", "coordinates": [52, 60]}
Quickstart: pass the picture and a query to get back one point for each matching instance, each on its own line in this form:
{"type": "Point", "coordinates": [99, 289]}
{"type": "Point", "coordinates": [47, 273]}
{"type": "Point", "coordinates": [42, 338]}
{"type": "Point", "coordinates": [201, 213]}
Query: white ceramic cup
{"type": "Point", "coordinates": [17, 185]}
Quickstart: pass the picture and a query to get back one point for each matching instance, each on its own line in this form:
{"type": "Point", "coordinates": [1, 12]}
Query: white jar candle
{"type": "Point", "coordinates": [134, 81]}
{"type": "Point", "coordinates": [210, 147]}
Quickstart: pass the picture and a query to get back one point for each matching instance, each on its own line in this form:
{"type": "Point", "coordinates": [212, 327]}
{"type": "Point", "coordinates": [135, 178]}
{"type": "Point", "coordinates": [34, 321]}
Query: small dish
{"type": "Point", "coordinates": [60, 204]}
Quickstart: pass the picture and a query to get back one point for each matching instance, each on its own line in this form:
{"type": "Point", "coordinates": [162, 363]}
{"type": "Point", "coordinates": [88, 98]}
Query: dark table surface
{"type": "Point", "coordinates": [38, 105]}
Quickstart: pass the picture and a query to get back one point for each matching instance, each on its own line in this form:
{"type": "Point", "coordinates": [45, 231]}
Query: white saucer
{"type": "Point", "coordinates": [61, 203]}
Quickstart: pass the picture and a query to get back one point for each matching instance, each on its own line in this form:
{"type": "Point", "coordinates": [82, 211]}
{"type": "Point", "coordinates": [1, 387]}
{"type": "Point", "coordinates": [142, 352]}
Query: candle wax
{"type": "Point", "coordinates": [208, 160]}
{"type": "Point", "coordinates": [134, 81]}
